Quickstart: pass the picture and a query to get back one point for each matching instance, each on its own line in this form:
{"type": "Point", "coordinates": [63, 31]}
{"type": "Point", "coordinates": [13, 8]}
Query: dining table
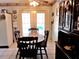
{"type": "Point", "coordinates": [35, 33]}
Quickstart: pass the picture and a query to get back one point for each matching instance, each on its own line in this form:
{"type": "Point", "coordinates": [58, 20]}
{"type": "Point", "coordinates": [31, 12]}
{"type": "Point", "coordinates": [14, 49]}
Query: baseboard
{"type": "Point", "coordinates": [4, 47]}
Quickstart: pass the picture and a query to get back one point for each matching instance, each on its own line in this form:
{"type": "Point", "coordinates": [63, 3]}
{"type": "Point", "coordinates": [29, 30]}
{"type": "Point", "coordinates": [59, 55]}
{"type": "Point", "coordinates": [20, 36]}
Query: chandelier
{"type": "Point", "coordinates": [34, 3]}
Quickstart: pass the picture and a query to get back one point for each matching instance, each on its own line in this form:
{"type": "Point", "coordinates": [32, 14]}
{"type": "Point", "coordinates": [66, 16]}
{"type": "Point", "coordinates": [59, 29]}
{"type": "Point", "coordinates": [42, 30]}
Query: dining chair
{"type": "Point", "coordinates": [17, 35]}
{"type": "Point", "coordinates": [27, 47]}
{"type": "Point", "coordinates": [18, 42]}
{"type": "Point", "coordinates": [42, 45]}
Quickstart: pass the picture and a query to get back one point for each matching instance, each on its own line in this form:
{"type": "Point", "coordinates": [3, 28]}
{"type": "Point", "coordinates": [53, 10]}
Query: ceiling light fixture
{"type": "Point", "coordinates": [34, 3]}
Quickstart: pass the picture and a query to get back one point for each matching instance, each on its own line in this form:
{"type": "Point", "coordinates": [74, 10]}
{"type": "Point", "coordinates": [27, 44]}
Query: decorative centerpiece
{"type": "Point", "coordinates": [33, 29]}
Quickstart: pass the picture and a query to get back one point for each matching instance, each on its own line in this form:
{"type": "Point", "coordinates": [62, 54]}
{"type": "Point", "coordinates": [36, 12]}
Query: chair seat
{"type": "Point", "coordinates": [41, 44]}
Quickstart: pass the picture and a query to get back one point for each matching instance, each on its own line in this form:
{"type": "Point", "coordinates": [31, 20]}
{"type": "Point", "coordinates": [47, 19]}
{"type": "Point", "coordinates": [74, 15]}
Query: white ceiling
{"type": "Point", "coordinates": [41, 2]}
{"type": "Point", "coordinates": [21, 1]}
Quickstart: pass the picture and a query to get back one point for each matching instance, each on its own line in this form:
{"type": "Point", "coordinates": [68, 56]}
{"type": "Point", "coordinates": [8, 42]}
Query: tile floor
{"type": "Point", "coordinates": [10, 53]}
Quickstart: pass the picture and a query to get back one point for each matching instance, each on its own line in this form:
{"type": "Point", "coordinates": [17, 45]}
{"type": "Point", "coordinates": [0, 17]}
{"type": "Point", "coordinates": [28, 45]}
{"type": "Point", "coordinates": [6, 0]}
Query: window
{"type": "Point", "coordinates": [25, 23]}
{"type": "Point", "coordinates": [41, 22]}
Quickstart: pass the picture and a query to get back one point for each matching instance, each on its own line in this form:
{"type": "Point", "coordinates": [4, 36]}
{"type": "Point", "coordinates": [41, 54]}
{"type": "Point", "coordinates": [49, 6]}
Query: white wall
{"type": "Point", "coordinates": [55, 10]}
{"type": "Point", "coordinates": [9, 29]}
{"type": "Point", "coordinates": [44, 9]}
{"type": "Point", "coordinates": [20, 9]}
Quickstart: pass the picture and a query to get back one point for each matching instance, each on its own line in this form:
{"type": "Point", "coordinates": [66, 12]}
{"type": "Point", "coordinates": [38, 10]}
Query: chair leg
{"type": "Point", "coordinates": [19, 57]}
{"type": "Point", "coordinates": [46, 52]}
{"type": "Point", "coordinates": [35, 57]}
{"type": "Point", "coordinates": [41, 53]}
{"type": "Point", "coordinates": [17, 54]}
{"type": "Point", "coordinates": [23, 57]}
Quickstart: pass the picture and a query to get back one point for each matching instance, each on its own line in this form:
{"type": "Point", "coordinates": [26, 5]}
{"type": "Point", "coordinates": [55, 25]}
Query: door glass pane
{"type": "Point", "coordinates": [25, 23]}
{"type": "Point", "coordinates": [41, 22]}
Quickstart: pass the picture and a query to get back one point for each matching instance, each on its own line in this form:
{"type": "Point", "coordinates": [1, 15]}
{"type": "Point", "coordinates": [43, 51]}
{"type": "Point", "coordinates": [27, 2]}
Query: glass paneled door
{"type": "Point", "coordinates": [25, 23]}
{"type": "Point", "coordinates": [41, 22]}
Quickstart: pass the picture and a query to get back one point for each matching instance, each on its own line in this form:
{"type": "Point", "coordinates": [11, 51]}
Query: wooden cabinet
{"type": "Point", "coordinates": [67, 46]}
{"type": "Point", "coordinates": [66, 15]}
{"type": "Point", "coordinates": [69, 15]}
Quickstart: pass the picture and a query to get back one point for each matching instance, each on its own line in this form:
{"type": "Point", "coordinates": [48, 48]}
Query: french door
{"type": "Point", "coordinates": [41, 22]}
{"type": "Point", "coordinates": [25, 23]}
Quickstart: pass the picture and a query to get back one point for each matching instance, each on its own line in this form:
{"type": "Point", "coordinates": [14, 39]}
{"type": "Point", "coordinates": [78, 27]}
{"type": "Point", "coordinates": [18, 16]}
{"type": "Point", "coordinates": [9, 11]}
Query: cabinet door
{"type": "Point", "coordinates": [76, 16]}
{"type": "Point", "coordinates": [60, 54]}
{"type": "Point", "coordinates": [61, 15]}
{"type": "Point", "coordinates": [68, 15]}
{"type": "Point", "coordinates": [65, 15]}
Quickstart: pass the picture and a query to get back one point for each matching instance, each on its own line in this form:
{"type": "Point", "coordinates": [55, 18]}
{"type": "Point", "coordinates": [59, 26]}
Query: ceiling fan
{"type": "Point", "coordinates": [34, 3]}
{"type": "Point", "coordinates": [39, 2]}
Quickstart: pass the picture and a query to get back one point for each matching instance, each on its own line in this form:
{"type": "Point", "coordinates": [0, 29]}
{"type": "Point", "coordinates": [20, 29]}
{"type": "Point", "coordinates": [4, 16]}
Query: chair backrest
{"type": "Point", "coordinates": [27, 46]}
{"type": "Point", "coordinates": [46, 37]}
{"type": "Point", "coordinates": [17, 34]}
{"type": "Point", "coordinates": [27, 42]}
